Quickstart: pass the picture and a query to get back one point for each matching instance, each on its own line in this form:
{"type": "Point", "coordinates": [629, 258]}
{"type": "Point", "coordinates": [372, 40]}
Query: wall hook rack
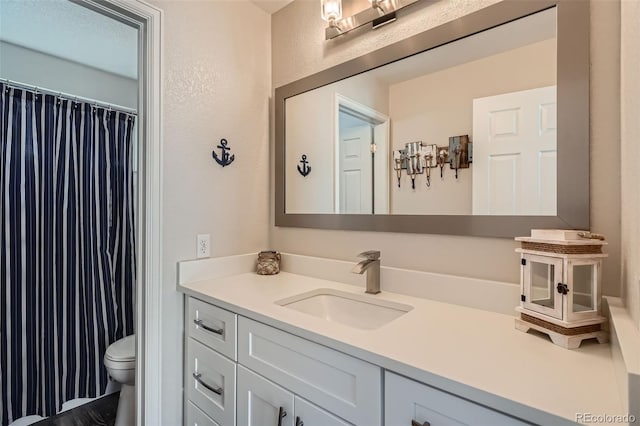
{"type": "Point", "coordinates": [306, 168]}
{"type": "Point", "coordinates": [225, 159]}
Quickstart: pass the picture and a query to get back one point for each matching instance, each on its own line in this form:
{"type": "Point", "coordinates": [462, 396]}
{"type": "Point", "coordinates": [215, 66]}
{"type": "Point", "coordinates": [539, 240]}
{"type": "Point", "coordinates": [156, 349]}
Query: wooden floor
{"type": "Point", "coordinates": [101, 412]}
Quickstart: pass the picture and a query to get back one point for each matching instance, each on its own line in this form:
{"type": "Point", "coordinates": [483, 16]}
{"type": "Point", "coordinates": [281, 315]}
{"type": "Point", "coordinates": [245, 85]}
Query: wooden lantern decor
{"type": "Point", "coordinates": [561, 286]}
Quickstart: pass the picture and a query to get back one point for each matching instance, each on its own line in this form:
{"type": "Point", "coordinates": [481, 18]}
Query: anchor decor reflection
{"type": "Point", "coordinates": [225, 159]}
{"type": "Point", "coordinates": [306, 168]}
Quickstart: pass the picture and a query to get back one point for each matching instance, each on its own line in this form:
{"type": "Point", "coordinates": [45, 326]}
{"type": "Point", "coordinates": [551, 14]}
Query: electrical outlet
{"type": "Point", "coordinates": [204, 243]}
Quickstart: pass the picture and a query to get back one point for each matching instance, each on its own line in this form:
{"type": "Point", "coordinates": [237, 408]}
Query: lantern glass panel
{"type": "Point", "coordinates": [584, 277]}
{"type": "Point", "coordinates": [542, 284]}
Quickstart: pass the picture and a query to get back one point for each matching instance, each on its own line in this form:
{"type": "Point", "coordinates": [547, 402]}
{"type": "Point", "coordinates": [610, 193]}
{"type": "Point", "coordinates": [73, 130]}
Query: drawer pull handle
{"type": "Point", "coordinates": [299, 421]}
{"type": "Point", "coordinates": [281, 414]}
{"type": "Point", "coordinates": [414, 423]}
{"type": "Point", "coordinates": [199, 323]}
{"type": "Point", "coordinates": [198, 377]}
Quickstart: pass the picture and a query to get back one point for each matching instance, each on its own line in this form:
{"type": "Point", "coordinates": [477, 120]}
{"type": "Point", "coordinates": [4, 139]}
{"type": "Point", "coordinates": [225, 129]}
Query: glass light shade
{"type": "Point", "coordinates": [331, 10]}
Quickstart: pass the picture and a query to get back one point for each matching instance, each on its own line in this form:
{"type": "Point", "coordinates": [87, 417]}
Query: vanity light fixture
{"type": "Point", "coordinates": [380, 13]}
{"type": "Point", "coordinates": [331, 11]}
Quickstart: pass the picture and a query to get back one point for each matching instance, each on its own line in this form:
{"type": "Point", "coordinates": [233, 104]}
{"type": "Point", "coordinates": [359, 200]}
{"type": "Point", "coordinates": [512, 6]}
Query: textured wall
{"type": "Point", "coordinates": [630, 132]}
{"type": "Point", "coordinates": [217, 79]}
{"type": "Point", "coordinates": [605, 134]}
{"type": "Point", "coordinates": [299, 49]}
{"type": "Point", "coordinates": [21, 64]}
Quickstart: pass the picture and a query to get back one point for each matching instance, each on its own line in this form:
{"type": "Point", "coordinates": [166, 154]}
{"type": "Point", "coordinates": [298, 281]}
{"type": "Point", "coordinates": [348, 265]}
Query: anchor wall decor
{"type": "Point", "coordinates": [225, 159]}
{"type": "Point", "coordinates": [306, 168]}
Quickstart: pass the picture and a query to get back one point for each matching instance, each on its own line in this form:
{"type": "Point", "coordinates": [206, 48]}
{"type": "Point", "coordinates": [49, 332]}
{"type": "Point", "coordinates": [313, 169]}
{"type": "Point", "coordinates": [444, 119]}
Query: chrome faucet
{"type": "Point", "coordinates": [370, 265]}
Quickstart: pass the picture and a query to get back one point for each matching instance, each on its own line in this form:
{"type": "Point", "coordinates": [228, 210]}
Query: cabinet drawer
{"type": "Point", "coordinates": [407, 401]}
{"type": "Point", "coordinates": [310, 415]}
{"type": "Point", "coordinates": [212, 326]}
{"type": "Point", "coordinates": [214, 389]}
{"type": "Point", "coordinates": [339, 383]}
{"type": "Point", "coordinates": [195, 417]}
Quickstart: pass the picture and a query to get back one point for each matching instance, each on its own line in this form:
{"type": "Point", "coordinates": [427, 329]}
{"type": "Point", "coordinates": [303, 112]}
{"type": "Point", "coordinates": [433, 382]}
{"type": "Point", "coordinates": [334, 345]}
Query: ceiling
{"type": "Point", "coordinates": [66, 30]}
{"type": "Point", "coordinates": [521, 32]}
{"type": "Point", "coordinates": [270, 6]}
{"type": "Point", "coordinates": [69, 31]}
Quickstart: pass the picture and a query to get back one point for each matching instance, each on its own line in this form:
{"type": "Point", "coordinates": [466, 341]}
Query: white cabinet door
{"type": "Point", "coordinates": [210, 382]}
{"type": "Point", "coordinates": [261, 402]}
{"type": "Point", "coordinates": [541, 276]}
{"type": "Point", "coordinates": [407, 402]}
{"type": "Point", "coordinates": [514, 153]}
{"type": "Point", "coordinates": [195, 417]}
{"type": "Point", "coordinates": [307, 414]}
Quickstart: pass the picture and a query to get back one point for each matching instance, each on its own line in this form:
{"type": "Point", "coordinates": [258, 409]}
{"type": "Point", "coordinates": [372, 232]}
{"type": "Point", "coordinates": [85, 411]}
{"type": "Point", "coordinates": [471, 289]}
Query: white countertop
{"type": "Point", "coordinates": [476, 354]}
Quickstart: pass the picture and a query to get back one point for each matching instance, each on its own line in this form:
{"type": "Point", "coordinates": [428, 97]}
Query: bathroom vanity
{"type": "Point", "coordinates": [309, 347]}
{"type": "Point", "coordinates": [267, 350]}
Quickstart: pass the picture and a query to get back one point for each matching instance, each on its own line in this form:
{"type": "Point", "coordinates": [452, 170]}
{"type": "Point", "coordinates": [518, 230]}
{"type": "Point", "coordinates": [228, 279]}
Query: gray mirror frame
{"type": "Point", "coordinates": [573, 127]}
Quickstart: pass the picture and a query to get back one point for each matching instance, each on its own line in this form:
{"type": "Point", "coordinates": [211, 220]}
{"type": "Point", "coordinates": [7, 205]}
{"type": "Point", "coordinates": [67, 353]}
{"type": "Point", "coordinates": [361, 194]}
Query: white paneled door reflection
{"type": "Point", "coordinates": [356, 166]}
{"type": "Point", "coordinates": [515, 153]}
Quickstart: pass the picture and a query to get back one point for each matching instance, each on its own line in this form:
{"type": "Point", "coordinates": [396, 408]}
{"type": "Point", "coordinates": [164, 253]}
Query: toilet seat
{"type": "Point", "coordinates": [121, 355]}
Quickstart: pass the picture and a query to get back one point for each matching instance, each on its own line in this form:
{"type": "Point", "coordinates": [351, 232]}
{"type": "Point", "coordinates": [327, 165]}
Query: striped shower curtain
{"type": "Point", "coordinates": [67, 249]}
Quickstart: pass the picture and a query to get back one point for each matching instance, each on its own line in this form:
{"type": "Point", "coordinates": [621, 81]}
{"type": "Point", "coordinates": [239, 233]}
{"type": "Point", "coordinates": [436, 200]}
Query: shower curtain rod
{"type": "Point", "coordinates": [67, 96]}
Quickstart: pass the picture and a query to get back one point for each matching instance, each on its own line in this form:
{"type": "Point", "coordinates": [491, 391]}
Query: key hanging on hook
{"type": "Point", "coordinates": [416, 169]}
{"type": "Point", "coordinates": [398, 157]}
{"type": "Point", "coordinates": [456, 159]}
{"type": "Point", "coordinates": [428, 160]}
{"type": "Point", "coordinates": [442, 159]}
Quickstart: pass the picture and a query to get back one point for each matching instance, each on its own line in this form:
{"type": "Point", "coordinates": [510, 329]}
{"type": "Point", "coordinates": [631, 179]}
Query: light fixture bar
{"type": "Point", "coordinates": [383, 20]}
{"type": "Point", "coordinates": [383, 13]}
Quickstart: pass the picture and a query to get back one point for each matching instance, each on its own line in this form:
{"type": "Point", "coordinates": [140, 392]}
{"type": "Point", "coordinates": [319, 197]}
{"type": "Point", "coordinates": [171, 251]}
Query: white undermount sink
{"type": "Point", "coordinates": [361, 311]}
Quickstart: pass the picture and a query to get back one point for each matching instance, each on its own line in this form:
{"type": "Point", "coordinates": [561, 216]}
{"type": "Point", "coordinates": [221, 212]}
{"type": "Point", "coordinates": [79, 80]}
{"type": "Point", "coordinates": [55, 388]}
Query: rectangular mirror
{"type": "Point", "coordinates": [476, 127]}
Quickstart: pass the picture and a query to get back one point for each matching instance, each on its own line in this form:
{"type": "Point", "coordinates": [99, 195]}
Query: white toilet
{"type": "Point", "coordinates": [120, 361]}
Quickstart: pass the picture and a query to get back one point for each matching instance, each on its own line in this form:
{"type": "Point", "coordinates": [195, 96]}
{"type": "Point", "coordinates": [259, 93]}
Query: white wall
{"type": "Point", "coordinates": [438, 105]}
{"type": "Point", "coordinates": [630, 133]}
{"type": "Point", "coordinates": [24, 65]}
{"type": "Point", "coordinates": [310, 128]}
{"type": "Point", "coordinates": [217, 80]}
{"type": "Point", "coordinates": [299, 49]}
